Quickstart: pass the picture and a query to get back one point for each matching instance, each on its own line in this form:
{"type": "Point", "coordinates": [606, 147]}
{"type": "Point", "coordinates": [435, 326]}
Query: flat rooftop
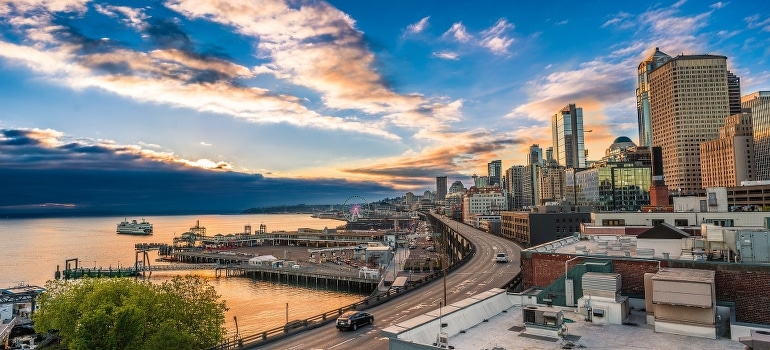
{"type": "Point", "coordinates": [504, 331]}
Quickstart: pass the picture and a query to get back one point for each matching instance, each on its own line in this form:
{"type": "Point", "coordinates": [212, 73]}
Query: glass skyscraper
{"type": "Point", "coordinates": [567, 129]}
{"type": "Point", "coordinates": [643, 94]}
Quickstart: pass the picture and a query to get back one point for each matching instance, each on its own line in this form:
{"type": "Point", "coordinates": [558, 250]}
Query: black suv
{"type": "Point", "coordinates": [353, 319]}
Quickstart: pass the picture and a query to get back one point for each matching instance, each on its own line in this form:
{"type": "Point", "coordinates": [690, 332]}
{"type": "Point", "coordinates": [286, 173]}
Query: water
{"type": "Point", "coordinates": [33, 248]}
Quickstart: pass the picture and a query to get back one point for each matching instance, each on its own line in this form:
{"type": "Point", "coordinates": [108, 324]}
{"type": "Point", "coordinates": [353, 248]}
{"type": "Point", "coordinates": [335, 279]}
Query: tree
{"type": "Point", "coordinates": [124, 313]}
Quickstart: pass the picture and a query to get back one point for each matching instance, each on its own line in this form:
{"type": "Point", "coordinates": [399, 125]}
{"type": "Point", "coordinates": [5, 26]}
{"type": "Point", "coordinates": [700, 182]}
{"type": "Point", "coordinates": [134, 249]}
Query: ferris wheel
{"type": "Point", "coordinates": [356, 208]}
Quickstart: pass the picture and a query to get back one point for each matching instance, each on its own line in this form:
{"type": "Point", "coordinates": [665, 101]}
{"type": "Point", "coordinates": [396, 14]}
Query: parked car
{"type": "Point", "coordinates": [502, 257]}
{"type": "Point", "coordinates": [354, 319]}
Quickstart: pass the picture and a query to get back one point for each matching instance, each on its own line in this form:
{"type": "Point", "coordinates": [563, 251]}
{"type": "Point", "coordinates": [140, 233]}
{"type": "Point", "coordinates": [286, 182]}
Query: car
{"type": "Point", "coordinates": [501, 257]}
{"type": "Point", "coordinates": [354, 319]}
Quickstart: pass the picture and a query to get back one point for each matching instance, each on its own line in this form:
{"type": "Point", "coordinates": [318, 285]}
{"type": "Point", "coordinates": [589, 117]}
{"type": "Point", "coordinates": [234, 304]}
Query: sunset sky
{"type": "Point", "coordinates": [235, 104]}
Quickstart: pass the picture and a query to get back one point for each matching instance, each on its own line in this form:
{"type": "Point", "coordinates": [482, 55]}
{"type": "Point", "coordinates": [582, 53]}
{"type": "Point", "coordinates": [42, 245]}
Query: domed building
{"type": "Point", "coordinates": [620, 181]}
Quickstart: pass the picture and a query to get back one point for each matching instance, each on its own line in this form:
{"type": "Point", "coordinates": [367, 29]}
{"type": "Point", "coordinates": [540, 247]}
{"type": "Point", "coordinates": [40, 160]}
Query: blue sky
{"type": "Point", "coordinates": [258, 103]}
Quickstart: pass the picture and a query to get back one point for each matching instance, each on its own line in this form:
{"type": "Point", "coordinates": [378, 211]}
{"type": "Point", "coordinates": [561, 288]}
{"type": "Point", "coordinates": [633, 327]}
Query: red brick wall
{"type": "Point", "coordinates": [749, 290]}
{"type": "Point", "coordinates": [632, 274]}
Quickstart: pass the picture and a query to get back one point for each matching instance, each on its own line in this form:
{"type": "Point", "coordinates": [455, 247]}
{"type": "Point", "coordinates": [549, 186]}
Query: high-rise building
{"type": "Point", "coordinates": [495, 173]}
{"type": "Point", "coordinates": [643, 94]}
{"type": "Point", "coordinates": [567, 129]}
{"type": "Point", "coordinates": [535, 154]}
{"type": "Point", "coordinates": [530, 193]}
{"type": "Point", "coordinates": [514, 177]}
{"type": "Point", "coordinates": [734, 92]}
{"type": "Point", "coordinates": [440, 188]}
{"type": "Point", "coordinates": [549, 156]}
{"type": "Point", "coordinates": [759, 102]}
{"type": "Point", "coordinates": [688, 104]}
{"type": "Point", "coordinates": [551, 185]}
{"type": "Point", "coordinates": [729, 160]}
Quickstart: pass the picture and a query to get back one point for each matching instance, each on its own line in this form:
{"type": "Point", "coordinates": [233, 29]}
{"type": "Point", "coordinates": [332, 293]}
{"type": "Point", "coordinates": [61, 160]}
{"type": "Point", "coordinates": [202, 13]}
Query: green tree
{"type": "Point", "coordinates": [124, 313]}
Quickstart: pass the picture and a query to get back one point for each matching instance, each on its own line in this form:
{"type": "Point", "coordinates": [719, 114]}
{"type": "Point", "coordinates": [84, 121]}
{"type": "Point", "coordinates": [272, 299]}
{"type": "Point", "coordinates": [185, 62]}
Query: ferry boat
{"type": "Point", "coordinates": [135, 228]}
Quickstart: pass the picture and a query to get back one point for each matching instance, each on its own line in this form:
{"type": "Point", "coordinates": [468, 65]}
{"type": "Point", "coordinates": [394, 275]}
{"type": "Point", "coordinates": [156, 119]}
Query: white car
{"type": "Point", "coordinates": [502, 257]}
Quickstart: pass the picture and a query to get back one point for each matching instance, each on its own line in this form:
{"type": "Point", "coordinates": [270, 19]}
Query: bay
{"type": "Point", "coordinates": [32, 249]}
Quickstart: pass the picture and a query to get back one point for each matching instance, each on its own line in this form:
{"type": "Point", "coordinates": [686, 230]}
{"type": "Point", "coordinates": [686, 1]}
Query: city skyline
{"type": "Point", "coordinates": [270, 103]}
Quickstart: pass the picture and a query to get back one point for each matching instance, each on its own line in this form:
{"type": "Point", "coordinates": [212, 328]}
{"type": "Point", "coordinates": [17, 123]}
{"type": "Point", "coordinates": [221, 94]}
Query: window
{"type": "Point", "coordinates": [681, 222]}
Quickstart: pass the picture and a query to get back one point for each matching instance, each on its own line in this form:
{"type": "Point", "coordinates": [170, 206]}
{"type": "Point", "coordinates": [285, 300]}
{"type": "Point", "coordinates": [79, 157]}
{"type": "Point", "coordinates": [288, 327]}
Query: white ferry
{"type": "Point", "coordinates": [135, 228]}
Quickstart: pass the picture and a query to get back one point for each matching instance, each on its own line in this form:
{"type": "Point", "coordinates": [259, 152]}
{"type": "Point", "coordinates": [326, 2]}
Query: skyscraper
{"type": "Point", "coordinates": [535, 154]}
{"type": "Point", "coordinates": [643, 94]}
{"type": "Point", "coordinates": [734, 92]}
{"type": "Point", "coordinates": [567, 129]}
{"type": "Point", "coordinates": [688, 104]}
{"type": "Point", "coordinates": [514, 176]}
{"type": "Point", "coordinates": [759, 102]}
{"type": "Point", "coordinates": [440, 188]}
{"type": "Point", "coordinates": [494, 173]}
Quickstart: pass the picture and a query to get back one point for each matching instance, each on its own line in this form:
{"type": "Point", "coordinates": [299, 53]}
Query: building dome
{"type": "Point", "coordinates": [620, 144]}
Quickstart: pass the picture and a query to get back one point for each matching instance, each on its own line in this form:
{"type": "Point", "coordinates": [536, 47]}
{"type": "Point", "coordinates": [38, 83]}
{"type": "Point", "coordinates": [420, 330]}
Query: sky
{"type": "Point", "coordinates": [224, 105]}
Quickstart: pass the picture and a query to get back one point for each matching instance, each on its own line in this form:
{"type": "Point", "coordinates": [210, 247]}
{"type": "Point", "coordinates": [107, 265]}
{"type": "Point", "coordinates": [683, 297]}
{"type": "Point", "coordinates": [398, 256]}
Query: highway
{"type": "Point", "coordinates": [479, 274]}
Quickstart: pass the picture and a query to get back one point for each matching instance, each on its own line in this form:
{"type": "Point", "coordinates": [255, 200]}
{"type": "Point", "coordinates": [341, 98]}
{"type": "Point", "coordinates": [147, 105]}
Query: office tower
{"type": "Point", "coordinates": [410, 199]}
{"type": "Point", "coordinates": [494, 173]}
{"type": "Point", "coordinates": [759, 102]}
{"type": "Point", "coordinates": [643, 94]}
{"type": "Point", "coordinates": [567, 129]}
{"type": "Point", "coordinates": [551, 184]}
{"type": "Point", "coordinates": [729, 160]}
{"type": "Point", "coordinates": [514, 177]}
{"type": "Point", "coordinates": [440, 188]}
{"type": "Point", "coordinates": [530, 184]}
{"type": "Point", "coordinates": [535, 154]}
{"type": "Point", "coordinates": [734, 92]}
{"type": "Point", "coordinates": [549, 156]}
{"type": "Point", "coordinates": [688, 104]}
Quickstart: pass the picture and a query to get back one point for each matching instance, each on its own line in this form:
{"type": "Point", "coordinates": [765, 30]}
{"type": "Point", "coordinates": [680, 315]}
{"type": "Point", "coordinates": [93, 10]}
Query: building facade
{"type": "Point", "coordinates": [441, 189]}
{"type": "Point", "coordinates": [734, 92]}
{"type": "Point", "coordinates": [729, 160]}
{"type": "Point", "coordinates": [483, 201]}
{"type": "Point", "coordinates": [495, 173]}
{"type": "Point", "coordinates": [688, 104]}
{"type": "Point", "coordinates": [535, 228]}
{"type": "Point", "coordinates": [551, 185]}
{"type": "Point", "coordinates": [759, 103]}
{"type": "Point", "coordinates": [567, 133]}
{"type": "Point", "coordinates": [535, 154]}
{"type": "Point", "coordinates": [643, 94]}
{"type": "Point", "coordinates": [514, 178]}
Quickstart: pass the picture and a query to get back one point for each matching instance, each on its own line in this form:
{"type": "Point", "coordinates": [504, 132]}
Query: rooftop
{"type": "Point", "coordinates": [504, 332]}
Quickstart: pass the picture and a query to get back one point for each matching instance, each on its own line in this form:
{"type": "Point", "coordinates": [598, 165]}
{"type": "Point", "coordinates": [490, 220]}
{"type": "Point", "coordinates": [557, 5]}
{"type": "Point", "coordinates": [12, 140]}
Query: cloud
{"type": "Point", "coordinates": [718, 5]}
{"type": "Point", "coordinates": [465, 151]}
{"type": "Point", "coordinates": [561, 23]}
{"type": "Point", "coordinates": [47, 172]}
{"type": "Point", "coordinates": [756, 21]}
{"type": "Point", "coordinates": [203, 143]}
{"type": "Point", "coordinates": [324, 52]}
{"type": "Point", "coordinates": [446, 55]}
{"type": "Point", "coordinates": [495, 39]}
{"type": "Point", "coordinates": [132, 17]}
{"type": "Point", "coordinates": [458, 32]}
{"type": "Point", "coordinates": [416, 28]}
{"type": "Point", "coordinates": [620, 20]}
